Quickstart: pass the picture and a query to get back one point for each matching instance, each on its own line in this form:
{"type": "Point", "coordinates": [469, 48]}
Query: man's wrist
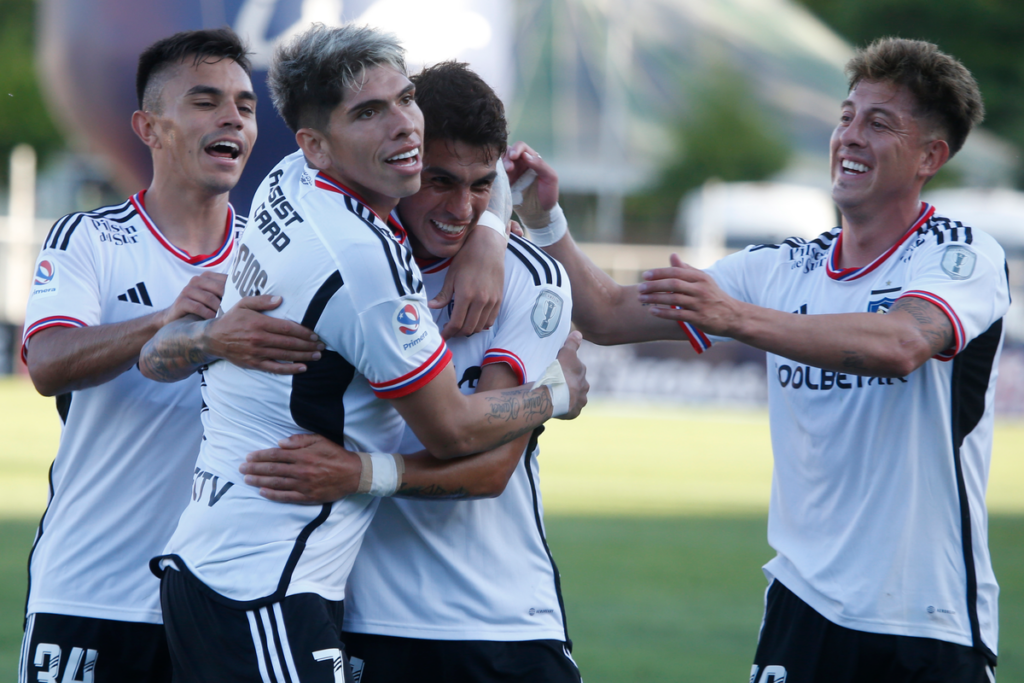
{"type": "Point", "coordinates": [493, 222]}
{"type": "Point", "coordinates": [381, 473]}
{"type": "Point", "coordinates": [554, 380]}
{"type": "Point", "coordinates": [552, 230]}
{"type": "Point", "coordinates": [204, 342]}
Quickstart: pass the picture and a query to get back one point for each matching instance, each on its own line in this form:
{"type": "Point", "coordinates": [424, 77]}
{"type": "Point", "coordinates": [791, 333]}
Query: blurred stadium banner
{"type": "Point", "coordinates": [88, 51]}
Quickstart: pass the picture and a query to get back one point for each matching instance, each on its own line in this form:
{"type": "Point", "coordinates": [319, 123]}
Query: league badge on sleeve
{"type": "Point", "coordinates": [45, 281]}
{"type": "Point", "coordinates": [958, 262]}
{"type": "Point", "coordinates": [406, 323]}
{"type": "Point", "coordinates": [547, 312]}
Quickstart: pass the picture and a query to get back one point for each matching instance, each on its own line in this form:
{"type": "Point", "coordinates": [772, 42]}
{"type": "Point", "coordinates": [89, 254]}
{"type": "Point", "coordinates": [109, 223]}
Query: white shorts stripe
{"type": "Point", "coordinates": [258, 644]}
{"type": "Point", "coordinates": [275, 656]}
{"type": "Point", "coordinates": [285, 645]}
{"type": "Point", "coordinates": [26, 644]}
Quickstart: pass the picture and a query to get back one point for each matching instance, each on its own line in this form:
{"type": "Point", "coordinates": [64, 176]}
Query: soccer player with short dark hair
{"type": "Point", "coordinates": [454, 589]}
{"type": "Point", "coordinates": [106, 281]}
{"type": "Point", "coordinates": [253, 589]}
{"type": "Point", "coordinates": [883, 338]}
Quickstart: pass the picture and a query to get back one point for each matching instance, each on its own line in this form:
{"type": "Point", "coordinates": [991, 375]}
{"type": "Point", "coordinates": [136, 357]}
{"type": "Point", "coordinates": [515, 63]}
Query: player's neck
{"type": "Point", "coordinates": [191, 219]}
{"type": "Point", "coordinates": [869, 232]}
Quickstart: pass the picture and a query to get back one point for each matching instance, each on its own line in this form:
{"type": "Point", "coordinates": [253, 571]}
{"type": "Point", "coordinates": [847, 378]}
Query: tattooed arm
{"type": "Point", "coordinates": [891, 345]}
{"type": "Point", "coordinates": [243, 336]}
{"type": "Point", "coordinates": [478, 476]}
{"type": "Point", "coordinates": [62, 359]}
{"type": "Point", "coordinates": [310, 469]}
{"type": "Point", "coordinates": [450, 424]}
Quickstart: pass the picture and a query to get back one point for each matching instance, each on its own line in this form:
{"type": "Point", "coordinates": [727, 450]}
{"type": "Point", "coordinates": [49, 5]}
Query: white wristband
{"type": "Point", "coordinates": [553, 231]}
{"type": "Point", "coordinates": [554, 379]}
{"type": "Point", "coordinates": [490, 220]}
{"type": "Point", "coordinates": [382, 473]}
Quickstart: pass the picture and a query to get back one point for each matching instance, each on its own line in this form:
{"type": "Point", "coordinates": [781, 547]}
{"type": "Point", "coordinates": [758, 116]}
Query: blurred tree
{"type": "Point", "coordinates": [23, 116]}
{"type": "Point", "coordinates": [726, 135]}
{"type": "Point", "coordinates": [984, 34]}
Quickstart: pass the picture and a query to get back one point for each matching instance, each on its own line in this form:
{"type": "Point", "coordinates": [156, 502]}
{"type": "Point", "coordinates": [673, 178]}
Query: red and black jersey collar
{"type": "Point", "coordinates": [204, 260]}
{"type": "Point", "coordinates": [847, 274]}
{"type": "Point", "coordinates": [326, 182]}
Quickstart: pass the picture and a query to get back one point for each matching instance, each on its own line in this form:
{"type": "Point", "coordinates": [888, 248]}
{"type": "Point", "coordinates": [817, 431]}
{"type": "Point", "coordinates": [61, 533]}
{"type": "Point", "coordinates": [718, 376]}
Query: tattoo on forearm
{"type": "Point", "coordinates": [853, 360]}
{"type": "Point", "coordinates": [433, 491]}
{"type": "Point", "coordinates": [171, 355]}
{"type": "Point", "coordinates": [930, 321]}
{"type": "Point", "coordinates": [508, 405]}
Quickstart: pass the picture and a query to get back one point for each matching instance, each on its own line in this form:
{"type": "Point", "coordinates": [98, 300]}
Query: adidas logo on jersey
{"type": "Point", "coordinates": [136, 295]}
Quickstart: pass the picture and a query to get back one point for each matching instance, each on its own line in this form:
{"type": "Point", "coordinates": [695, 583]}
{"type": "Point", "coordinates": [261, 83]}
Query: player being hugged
{"type": "Point", "coordinates": [454, 589]}
{"type": "Point", "coordinates": [252, 589]}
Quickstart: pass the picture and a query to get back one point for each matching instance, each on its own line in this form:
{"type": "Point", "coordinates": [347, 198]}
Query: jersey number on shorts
{"type": "Point", "coordinates": [335, 655]}
{"type": "Point", "coordinates": [48, 658]}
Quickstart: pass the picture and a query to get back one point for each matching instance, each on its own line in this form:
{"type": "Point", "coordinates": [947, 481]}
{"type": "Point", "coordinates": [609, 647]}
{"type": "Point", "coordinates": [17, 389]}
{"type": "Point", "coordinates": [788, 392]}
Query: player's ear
{"type": "Point", "coordinates": [144, 125]}
{"type": "Point", "coordinates": [934, 157]}
{"type": "Point", "coordinates": [315, 146]}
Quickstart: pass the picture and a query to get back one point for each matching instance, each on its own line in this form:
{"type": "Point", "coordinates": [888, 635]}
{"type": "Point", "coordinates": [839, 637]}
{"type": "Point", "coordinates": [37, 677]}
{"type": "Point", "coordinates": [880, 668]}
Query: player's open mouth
{"type": "Point", "coordinates": [853, 168]}
{"type": "Point", "coordinates": [409, 158]}
{"type": "Point", "coordinates": [449, 230]}
{"type": "Point", "coordinates": [224, 149]}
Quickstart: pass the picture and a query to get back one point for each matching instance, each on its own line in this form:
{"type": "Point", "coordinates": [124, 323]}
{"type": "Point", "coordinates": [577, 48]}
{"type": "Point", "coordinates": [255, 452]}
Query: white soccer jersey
{"type": "Point", "coordinates": [128, 446]}
{"type": "Point", "coordinates": [345, 273]}
{"type": "Point", "coordinates": [480, 569]}
{"type": "Point", "coordinates": [878, 493]}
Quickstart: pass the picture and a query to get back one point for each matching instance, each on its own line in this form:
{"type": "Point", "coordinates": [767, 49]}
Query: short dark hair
{"type": "Point", "coordinates": [206, 44]}
{"type": "Point", "coordinates": [945, 91]}
{"type": "Point", "coordinates": [458, 105]}
{"type": "Point", "coordinates": [309, 75]}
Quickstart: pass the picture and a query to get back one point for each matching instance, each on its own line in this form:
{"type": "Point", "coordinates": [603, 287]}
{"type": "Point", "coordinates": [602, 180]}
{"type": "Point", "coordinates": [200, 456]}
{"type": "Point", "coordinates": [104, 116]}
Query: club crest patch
{"type": "Point", "coordinates": [881, 305]}
{"type": "Point", "coordinates": [44, 282]}
{"type": "Point", "coordinates": [406, 323]}
{"type": "Point", "coordinates": [547, 312]}
{"type": "Point", "coordinates": [958, 262]}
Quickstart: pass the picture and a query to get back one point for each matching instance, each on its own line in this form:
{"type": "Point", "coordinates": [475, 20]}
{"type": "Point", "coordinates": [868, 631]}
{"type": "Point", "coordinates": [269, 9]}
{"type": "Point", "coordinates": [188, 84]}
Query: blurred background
{"type": "Point", "coordinates": [694, 126]}
{"type": "Point", "coordinates": [697, 126]}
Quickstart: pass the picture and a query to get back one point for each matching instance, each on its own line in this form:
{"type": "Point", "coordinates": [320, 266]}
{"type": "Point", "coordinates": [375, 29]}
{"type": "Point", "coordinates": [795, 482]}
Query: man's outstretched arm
{"type": "Point", "coordinates": [602, 309]}
{"type": "Point", "coordinates": [891, 345]}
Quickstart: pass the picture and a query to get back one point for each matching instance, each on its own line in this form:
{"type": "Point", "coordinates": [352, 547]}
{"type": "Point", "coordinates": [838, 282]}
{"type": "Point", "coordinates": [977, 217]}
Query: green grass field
{"type": "Point", "coordinates": [656, 518]}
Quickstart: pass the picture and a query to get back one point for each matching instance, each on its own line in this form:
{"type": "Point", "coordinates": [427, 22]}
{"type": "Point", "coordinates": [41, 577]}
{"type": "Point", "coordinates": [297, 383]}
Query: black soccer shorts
{"type": "Point", "coordinates": [387, 659]}
{"type": "Point", "coordinates": [211, 641]}
{"type": "Point", "coordinates": [57, 648]}
{"type": "Point", "coordinates": [799, 645]}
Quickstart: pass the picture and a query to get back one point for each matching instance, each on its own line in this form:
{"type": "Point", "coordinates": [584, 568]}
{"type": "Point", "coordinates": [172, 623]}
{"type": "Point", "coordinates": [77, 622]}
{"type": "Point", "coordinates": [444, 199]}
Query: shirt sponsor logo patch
{"type": "Point", "coordinates": [44, 283]}
{"type": "Point", "coordinates": [547, 311]}
{"type": "Point", "coordinates": [406, 323]}
{"type": "Point", "coordinates": [958, 262]}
